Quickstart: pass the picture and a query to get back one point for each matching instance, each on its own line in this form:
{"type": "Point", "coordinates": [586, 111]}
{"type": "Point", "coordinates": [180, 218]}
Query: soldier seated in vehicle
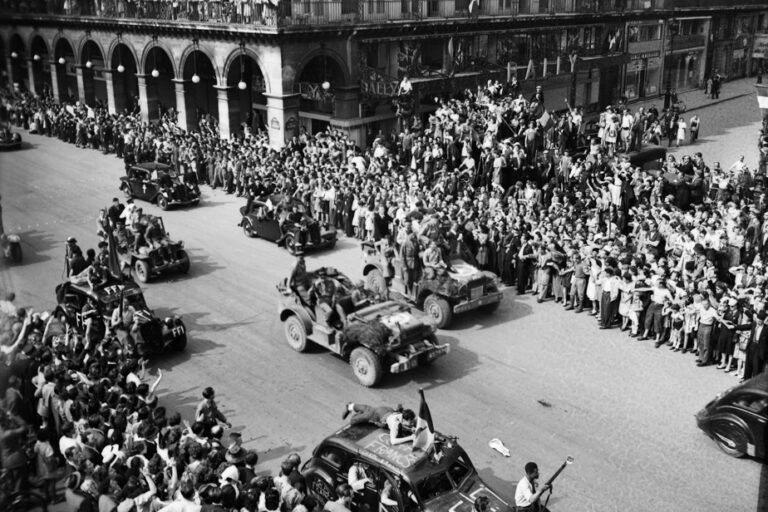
{"type": "Point", "coordinates": [322, 298]}
{"type": "Point", "coordinates": [287, 221]}
{"type": "Point", "coordinates": [158, 240]}
{"type": "Point", "coordinates": [164, 180]}
{"type": "Point", "coordinates": [96, 275]}
{"type": "Point", "coordinates": [433, 259]}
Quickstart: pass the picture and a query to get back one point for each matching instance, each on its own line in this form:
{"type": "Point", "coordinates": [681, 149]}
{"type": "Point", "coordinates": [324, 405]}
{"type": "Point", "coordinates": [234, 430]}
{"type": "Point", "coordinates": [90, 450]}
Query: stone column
{"type": "Point", "coordinates": [80, 84]}
{"type": "Point", "coordinates": [11, 78]}
{"type": "Point", "coordinates": [31, 75]}
{"type": "Point", "coordinates": [108, 81]}
{"type": "Point", "coordinates": [143, 97]}
{"type": "Point", "coordinates": [282, 118]}
{"type": "Point", "coordinates": [222, 97]}
{"type": "Point", "coordinates": [181, 103]}
{"type": "Point", "coordinates": [55, 80]}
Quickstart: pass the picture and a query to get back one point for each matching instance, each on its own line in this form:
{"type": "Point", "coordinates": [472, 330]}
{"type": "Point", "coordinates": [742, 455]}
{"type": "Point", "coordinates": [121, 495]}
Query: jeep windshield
{"type": "Point", "coordinates": [446, 478]}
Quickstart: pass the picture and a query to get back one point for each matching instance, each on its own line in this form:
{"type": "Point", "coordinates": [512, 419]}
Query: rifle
{"type": "Point", "coordinates": [568, 461]}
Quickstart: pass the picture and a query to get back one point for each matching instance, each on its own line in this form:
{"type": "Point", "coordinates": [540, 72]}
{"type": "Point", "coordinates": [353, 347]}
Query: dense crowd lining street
{"type": "Point", "coordinates": [473, 347]}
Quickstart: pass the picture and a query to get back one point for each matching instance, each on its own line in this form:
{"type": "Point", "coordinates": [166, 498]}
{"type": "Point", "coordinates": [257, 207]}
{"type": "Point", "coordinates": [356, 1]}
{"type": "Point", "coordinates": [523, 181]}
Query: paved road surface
{"type": "Point", "coordinates": [621, 408]}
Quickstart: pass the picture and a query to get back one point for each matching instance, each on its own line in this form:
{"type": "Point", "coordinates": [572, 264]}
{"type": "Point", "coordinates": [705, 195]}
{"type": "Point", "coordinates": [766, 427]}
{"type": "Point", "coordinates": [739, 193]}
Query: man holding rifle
{"type": "Point", "coordinates": [527, 497]}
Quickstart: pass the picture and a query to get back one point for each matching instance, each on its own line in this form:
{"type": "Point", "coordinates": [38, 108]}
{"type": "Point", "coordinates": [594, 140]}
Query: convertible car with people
{"type": "Point", "coordinates": [158, 336]}
{"type": "Point", "coordinates": [286, 220]}
{"type": "Point", "coordinates": [9, 140]}
{"type": "Point", "coordinates": [159, 183]}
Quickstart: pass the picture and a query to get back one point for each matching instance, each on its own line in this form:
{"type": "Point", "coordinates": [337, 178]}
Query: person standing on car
{"type": "Point", "coordinates": [527, 497]}
{"type": "Point", "coordinates": [409, 255]}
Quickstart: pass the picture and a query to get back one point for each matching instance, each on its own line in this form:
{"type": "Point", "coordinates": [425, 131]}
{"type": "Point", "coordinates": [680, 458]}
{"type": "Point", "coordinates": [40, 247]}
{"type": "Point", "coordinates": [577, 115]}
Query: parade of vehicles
{"type": "Point", "coordinates": [158, 183]}
{"type": "Point", "coordinates": [421, 481]}
{"type": "Point", "coordinates": [149, 261]}
{"type": "Point", "coordinates": [737, 419]}
{"type": "Point", "coordinates": [439, 293]}
{"type": "Point", "coordinates": [273, 218]}
{"type": "Point", "coordinates": [377, 337]}
{"type": "Point", "coordinates": [10, 245]}
{"type": "Point", "coordinates": [169, 334]}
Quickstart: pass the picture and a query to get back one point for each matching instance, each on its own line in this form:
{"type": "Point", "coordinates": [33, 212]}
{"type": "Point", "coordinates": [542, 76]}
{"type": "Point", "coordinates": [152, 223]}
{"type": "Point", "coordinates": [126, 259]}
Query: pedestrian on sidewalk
{"type": "Point", "coordinates": [693, 126]}
{"type": "Point", "coordinates": [716, 86]}
{"type": "Point", "coordinates": [708, 88]}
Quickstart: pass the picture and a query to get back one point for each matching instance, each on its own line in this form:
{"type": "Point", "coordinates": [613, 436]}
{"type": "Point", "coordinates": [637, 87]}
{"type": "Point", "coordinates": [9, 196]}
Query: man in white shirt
{"type": "Point", "coordinates": [526, 495]}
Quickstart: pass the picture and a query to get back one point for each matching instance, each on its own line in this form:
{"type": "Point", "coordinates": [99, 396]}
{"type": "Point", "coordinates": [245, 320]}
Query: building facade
{"type": "Point", "coordinates": [309, 64]}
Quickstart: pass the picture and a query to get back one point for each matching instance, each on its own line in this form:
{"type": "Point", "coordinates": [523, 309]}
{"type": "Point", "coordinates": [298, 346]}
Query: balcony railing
{"type": "Point", "coordinates": [320, 12]}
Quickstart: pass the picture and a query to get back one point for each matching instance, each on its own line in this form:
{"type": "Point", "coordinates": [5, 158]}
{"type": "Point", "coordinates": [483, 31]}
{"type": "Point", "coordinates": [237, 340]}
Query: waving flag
{"type": "Point", "coordinates": [424, 436]}
{"type": "Point", "coordinates": [113, 258]}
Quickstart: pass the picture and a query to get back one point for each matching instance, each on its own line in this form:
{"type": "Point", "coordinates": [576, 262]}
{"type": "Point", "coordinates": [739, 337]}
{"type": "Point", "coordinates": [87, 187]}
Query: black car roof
{"type": "Point", "coordinates": [108, 293]}
{"type": "Point", "coordinates": [372, 443]}
{"type": "Point", "coordinates": [152, 166]}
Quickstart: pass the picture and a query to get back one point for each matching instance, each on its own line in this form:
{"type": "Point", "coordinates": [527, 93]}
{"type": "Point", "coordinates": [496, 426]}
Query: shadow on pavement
{"type": "Point", "coordinates": [34, 245]}
{"type": "Point", "coordinates": [458, 363]}
{"type": "Point", "coordinates": [510, 309]}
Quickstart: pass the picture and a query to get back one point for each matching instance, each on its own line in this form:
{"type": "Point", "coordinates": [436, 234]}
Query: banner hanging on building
{"type": "Point", "coordinates": [762, 100]}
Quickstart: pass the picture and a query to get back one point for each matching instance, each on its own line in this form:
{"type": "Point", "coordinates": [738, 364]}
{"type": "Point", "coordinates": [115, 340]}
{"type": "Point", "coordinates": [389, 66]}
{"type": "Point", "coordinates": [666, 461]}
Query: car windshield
{"type": "Point", "coordinates": [445, 480]}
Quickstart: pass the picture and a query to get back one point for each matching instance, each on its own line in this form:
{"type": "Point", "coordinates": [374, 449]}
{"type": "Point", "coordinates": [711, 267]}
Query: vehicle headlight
{"type": "Point", "coordinates": [168, 321]}
{"type": "Point", "coordinates": [177, 319]}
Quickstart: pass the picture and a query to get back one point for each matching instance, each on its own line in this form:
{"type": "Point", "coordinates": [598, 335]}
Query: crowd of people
{"type": "Point", "coordinates": [674, 255]}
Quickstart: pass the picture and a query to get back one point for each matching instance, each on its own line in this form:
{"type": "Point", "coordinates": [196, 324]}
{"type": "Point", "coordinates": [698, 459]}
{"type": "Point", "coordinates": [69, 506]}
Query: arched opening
{"type": "Point", "coordinates": [41, 69]}
{"type": "Point", "coordinates": [66, 76]}
{"type": "Point", "coordinates": [158, 69]}
{"type": "Point", "coordinates": [247, 103]}
{"type": "Point", "coordinates": [18, 63]}
{"type": "Point", "coordinates": [124, 81]}
{"type": "Point", "coordinates": [94, 84]}
{"type": "Point", "coordinates": [316, 85]}
{"type": "Point", "coordinates": [199, 79]}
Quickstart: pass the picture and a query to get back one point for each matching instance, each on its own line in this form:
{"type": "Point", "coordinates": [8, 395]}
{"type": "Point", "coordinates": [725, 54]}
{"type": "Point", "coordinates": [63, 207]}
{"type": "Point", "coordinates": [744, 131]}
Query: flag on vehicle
{"type": "Point", "coordinates": [424, 436]}
{"type": "Point", "coordinates": [113, 259]}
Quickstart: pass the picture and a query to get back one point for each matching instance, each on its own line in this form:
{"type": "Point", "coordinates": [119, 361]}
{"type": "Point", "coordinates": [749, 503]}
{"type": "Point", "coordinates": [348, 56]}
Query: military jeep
{"type": "Point", "coordinates": [440, 294]}
{"type": "Point", "coordinates": [377, 337]}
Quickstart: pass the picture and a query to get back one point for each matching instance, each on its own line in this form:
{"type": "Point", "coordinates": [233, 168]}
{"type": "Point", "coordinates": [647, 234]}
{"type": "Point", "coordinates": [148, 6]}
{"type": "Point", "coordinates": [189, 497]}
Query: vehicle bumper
{"type": "Point", "coordinates": [469, 305]}
{"type": "Point", "coordinates": [174, 202]}
{"type": "Point", "coordinates": [411, 360]}
{"type": "Point", "coordinates": [159, 269]}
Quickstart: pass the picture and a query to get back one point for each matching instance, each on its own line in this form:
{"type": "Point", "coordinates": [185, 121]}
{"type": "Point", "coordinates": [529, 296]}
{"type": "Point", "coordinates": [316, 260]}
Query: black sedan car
{"type": "Point", "coordinates": [285, 220]}
{"type": "Point", "coordinates": [158, 183]}
{"type": "Point", "coordinates": [737, 419]}
{"type": "Point", "coordinates": [169, 334]}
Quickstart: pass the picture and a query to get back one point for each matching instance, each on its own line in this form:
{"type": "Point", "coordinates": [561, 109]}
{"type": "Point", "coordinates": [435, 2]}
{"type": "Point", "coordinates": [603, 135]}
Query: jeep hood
{"type": "Point", "coordinates": [464, 499]}
{"type": "Point", "coordinates": [464, 272]}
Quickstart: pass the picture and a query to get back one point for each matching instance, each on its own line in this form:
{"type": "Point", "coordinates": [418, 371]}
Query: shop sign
{"type": "Point", "coordinates": [645, 55]}
{"type": "Point", "coordinates": [760, 47]}
{"type": "Point", "coordinates": [290, 125]}
{"type": "Point", "coordinates": [274, 124]}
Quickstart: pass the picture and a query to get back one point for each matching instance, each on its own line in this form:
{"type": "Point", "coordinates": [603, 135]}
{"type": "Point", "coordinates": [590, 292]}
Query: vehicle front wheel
{"type": "Point", "coordinates": [290, 244]}
{"type": "Point", "coordinates": [141, 268]}
{"type": "Point", "coordinates": [366, 366]}
{"type": "Point", "coordinates": [15, 251]}
{"type": "Point", "coordinates": [126, 191]}
{"type": "Point", "coordinates": [183, 258]}
{"type": "Point", "coordinates": [248, 229]}
{"type": "Point", "coordinates": [440, 311]}
{"type": "Point", "coordinates": [731, 442]}
{"type": "Point", "coordinates": [295, 333]}
{"type": "Point", "coordinates": [375, 282]}
{"type": "Point", "coordinates": [162, 202]}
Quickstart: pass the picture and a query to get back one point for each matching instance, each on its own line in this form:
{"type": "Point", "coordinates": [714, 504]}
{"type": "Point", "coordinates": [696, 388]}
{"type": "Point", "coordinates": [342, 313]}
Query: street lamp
{"type": "Point", "coordinates": [326, 85]}
{"type": "Point", "coordinates": [195, 78]}
{"type": "Point", "coordinates": [120, 68]}
{"type": "Point", "coordinates": [155, 73]}
{"type": "Point", "coordinates": [88, 64]}
{"type": "Point", "coordinates": [14, 55]}
{"type": "Point", "coordinates": [36, 56]}
{"type": "Point", "coordinates": [62, 60]}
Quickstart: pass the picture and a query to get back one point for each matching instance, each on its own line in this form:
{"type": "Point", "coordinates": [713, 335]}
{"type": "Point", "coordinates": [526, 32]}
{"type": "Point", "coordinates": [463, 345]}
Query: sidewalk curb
{"type": "Point", "coordinates": [719, 101]}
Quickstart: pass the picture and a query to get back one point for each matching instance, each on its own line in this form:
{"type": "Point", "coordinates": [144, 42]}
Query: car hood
{"type": "Point", "coordinates": [464, 499]}
{"type": "Point", "coordinates": [463, 272]}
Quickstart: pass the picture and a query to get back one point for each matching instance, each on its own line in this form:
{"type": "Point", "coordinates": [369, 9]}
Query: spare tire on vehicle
{"type": "Point", "coordinates": [367, 333]}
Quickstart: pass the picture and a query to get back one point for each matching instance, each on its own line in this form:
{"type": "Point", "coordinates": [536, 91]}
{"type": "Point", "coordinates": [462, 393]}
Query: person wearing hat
{"type": "Point", "coordinates": [756, 352]}
{"type": "Point", "coordinates": [207, 411]}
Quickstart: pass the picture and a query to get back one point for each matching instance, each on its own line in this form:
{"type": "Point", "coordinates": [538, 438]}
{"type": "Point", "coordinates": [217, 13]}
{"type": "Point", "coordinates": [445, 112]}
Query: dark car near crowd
{"type": "Point", "coordinates": [270, 218]}
{"type": "Point", "coordinates": [158, 183]}
{"type": "Point", "coordinates": [737, 419]}
{"type": "Point", "coordinates": [421, 482]}
{"type": "Point", "coordinates": [169, 334]}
